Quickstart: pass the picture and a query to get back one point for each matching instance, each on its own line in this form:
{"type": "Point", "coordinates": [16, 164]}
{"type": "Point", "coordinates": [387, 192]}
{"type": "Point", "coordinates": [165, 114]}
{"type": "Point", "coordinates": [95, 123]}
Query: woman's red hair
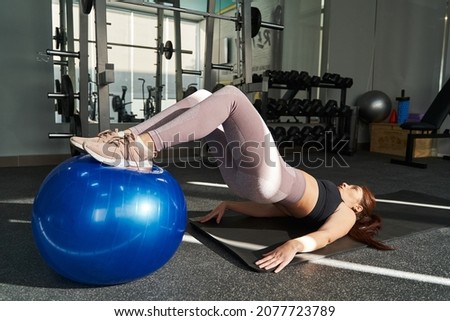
{"type": "Point", "coordinates": [368, 224]}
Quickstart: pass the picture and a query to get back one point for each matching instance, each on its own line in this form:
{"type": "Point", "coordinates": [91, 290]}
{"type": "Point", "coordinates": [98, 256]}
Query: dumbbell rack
{"type": "Point", "coordinates": [341, 123]}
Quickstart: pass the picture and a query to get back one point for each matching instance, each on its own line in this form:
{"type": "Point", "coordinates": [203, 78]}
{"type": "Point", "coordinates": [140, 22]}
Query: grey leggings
{"type": "Point", "coordinates": [237, 137]}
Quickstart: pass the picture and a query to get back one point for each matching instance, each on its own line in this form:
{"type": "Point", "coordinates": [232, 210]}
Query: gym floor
{"type": "Point", "coordinates": [201, 270]}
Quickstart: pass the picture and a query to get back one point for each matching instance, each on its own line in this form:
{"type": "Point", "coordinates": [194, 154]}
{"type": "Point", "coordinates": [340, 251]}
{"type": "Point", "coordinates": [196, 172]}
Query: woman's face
{"type": "Point", "coordinates": [352, 196]}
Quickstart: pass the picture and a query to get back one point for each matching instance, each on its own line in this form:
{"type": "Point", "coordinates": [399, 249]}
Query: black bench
{"type": "Point", "coordinates": [428, 127]}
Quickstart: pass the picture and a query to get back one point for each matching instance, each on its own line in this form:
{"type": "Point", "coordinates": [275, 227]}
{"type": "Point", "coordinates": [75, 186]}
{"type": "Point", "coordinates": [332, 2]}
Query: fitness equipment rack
{"type": "Point", "coordinates": [338, 117]}
{"type": "Point", "coordinates": [65, 95]}
{"type": "Point", "coordinates": [247, 20]}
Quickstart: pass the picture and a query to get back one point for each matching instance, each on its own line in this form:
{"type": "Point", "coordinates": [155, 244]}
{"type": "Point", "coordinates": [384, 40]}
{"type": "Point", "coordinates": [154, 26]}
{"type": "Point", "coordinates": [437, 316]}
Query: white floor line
{"type": "Point", "coordinates": [384, 271]}
{"type": "Point", "coordinates": [321, 260]}
{"type": "Point", "coordinates": [414, 204]}
{"type": "Point", "coordinates": [208, 184]}
{"type": "Point", "coordinates": [18, 201]}
{"type": "Point", "coordinates": [19, 221]}
{"type": "Point", "coordinates": [378, 200]}
{"type": "Point", "coordinates": [242, 245]}
{"type": "Point", "coordinates": [190, 239]}
{"type": "Point", "coordinates": [314, 259]}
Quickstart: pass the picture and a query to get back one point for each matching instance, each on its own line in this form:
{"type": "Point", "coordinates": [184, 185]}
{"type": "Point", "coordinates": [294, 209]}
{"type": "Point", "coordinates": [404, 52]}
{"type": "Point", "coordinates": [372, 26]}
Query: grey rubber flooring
{"type": "Point", "coordinates": [201, 270]}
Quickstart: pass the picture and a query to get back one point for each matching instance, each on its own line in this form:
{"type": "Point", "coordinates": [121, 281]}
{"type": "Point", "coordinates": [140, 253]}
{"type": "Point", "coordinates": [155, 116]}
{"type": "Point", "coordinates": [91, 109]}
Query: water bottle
{"type": "Point", "coordinates": [403, 108]}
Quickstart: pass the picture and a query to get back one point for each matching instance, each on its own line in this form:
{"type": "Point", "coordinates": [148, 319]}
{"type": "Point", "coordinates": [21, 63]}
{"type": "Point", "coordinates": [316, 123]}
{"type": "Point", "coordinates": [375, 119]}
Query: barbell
{"type": "Point", "coordinates": [165, 49]}
{"type": "Point", "coordinates": [256, 22]}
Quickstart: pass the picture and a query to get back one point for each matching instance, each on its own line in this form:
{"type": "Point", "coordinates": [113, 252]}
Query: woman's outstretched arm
{"type": "Point", "coordinates": [336, 226]}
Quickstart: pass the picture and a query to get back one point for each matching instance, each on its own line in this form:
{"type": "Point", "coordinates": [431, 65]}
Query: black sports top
{"type": "Point", "coordinates": [327, 203]}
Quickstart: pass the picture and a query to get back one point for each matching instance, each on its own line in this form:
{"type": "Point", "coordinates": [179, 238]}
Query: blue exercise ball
{"type": "Point", "coordinates": [374, 106]}
{"type": "Point", "coordinates": [102, 225]}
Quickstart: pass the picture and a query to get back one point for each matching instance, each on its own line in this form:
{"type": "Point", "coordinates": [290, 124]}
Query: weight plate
{"type": "Point", "coordinates": [58, 38]}
{"type": "Point", "coordinates": [75, 125]}
{"type": "Point", "coordinates": [67, 103]}
{"type": "Point", "coordinates": [58, 101]}
{"type": "Point", "coordinates": [168, 49]}
{"type": "Point", "coordinates": [256, 21]}
{"type": "Point", "coordinates": [86, 6]}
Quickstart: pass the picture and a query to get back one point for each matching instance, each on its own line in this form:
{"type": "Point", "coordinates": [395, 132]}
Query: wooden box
{"type": "Point", "coordinates": [390, 139]}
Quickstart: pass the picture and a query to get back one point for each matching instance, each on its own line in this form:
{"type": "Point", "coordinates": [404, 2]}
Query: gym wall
{"type": "Point", "coordinates": [267, 46]}
{"type": "Point", "coordinates": [410, 60]}
{"type": "Point", "coordinates": [389, 46]}
{"type": "Point", "coordinates": [302, 36]}
{"type": "Point", "coordinates": [27, 115]}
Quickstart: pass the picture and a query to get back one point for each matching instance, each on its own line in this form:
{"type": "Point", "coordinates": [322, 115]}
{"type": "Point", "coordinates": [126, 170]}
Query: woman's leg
{"type": "Point", "coordinates": [269, 181]}
{"type": "Point", "coordinates": [251, 164]}
{"type": "Point", "coordinates": [159, 119]}
{"type": "Point", "coordinates": [171, 112]}
{"type": "Point", "coordinates": [248, 158]}
{"type": "Point", "coordinates": [228, 107]}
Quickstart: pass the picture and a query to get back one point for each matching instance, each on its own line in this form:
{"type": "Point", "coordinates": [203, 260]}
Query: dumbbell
{"type": "Point", "coordinates": [277, 76]}
{"type": "Point", "coordinates": [293, 131]}
{"type": "Point", "coordinates": [291, 77]}
{"type": "Point", "coordinates": [344, 82]}
{"type": "Point", "coordinates": [304, 134]}
{"type": "Point", "coordinates": [299, 79]}
{"type": "Point", "coordinates": [316, 107]}
{"type": "Point", "coordinates": [282, 107]}
{"type": "Point", "coordinates": [307, 107]}
{"type": "Point", "coordinates": [319, 134]}
{"type": "Point", "coordinates": [337, 80]}
{"type": "Point", "coordinates": [330, 78]}
{"type": "Point", "coordinates": [315, 81]}
{"type": "Point", "coordinates": [331, 108]}
{"type": "Point", "coordinates": [315, 135]}
{"type": "Point", "coordinates": [294, 107]}
{"type": "Point", "coordinates": [293, 135]}
{"type": "Point", "coordinates": [272, 109]}
{"type": "Point", "coordinates": [317, 131]}
{"type": "Point", "coordinates": [257, 78]}
{"type": "Point", "coordinates": [279, 134]}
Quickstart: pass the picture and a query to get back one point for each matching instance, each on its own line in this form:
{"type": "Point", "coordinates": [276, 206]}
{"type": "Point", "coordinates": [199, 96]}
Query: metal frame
{"type": "Point", "coordinates": [70, 40]}
{"type": "Point", "coordinates": [102, 65]}
{"type": "Point", "coordinates": [84, 73]}
{"type": "Point", "coordinates": [208, 14]}
{"type": "Point", "coordinates": [178, 61]}
{"type": "Point", "coordinates": [104, 70]}
{"type": "Point", "coordinates": [243, 22]}
{"type": "Point", "coordinates": [158, 76]}
{"type": "Point", "coordinates": [67, 63]}
{"type": "Point", "coordinates": [209, 30]}
{"type": "Point", "coordinates": [246, 43]}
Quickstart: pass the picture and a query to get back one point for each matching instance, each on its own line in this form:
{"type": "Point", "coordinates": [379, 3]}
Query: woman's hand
{"type": "Point", "coordinates": [280, 257]}
{"type": "Point", "coordinates": [218, 212]}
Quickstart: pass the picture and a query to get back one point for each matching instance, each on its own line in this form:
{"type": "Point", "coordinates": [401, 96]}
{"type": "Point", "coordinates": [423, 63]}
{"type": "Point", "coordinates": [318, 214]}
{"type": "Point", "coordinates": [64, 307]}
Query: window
{"type": "Point", "coordinates": [132, 49]}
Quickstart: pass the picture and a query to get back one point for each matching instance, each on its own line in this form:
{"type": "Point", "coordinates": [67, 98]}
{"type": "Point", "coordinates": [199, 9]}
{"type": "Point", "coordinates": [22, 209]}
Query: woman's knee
{"type": "Point", "coordinates": [231, 89]}
{"type": "Point", "coordinates": [199, 95]}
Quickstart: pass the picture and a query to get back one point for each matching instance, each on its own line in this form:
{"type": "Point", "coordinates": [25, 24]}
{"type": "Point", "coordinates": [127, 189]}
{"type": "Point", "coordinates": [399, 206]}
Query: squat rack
{"type": "Point", "coordinates": [245, 27]}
